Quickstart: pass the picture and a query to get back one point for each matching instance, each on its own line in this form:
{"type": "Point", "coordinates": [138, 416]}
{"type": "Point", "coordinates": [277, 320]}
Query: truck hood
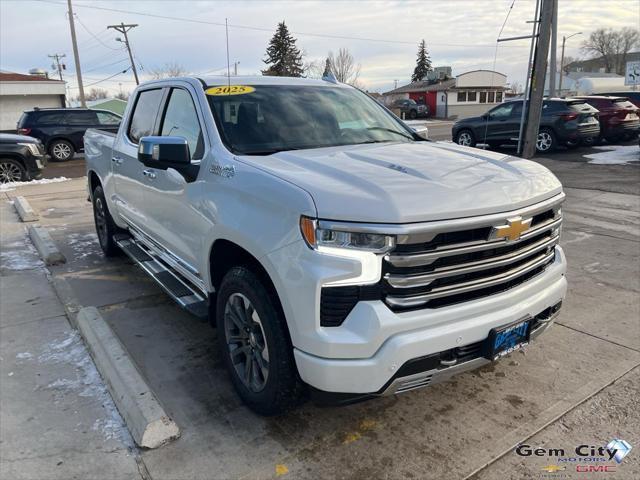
{"type": "Point", "coordinates": [410, 182]}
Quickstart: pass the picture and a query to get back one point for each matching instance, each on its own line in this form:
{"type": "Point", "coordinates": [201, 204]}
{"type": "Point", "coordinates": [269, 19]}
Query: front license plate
{"type": "Point", "coordinates": [502, 341]}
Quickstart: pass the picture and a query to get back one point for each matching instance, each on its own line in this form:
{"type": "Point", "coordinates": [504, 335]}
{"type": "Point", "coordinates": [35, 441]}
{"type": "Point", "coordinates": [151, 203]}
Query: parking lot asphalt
{"type": "Point", "coordinates": [576, 384]}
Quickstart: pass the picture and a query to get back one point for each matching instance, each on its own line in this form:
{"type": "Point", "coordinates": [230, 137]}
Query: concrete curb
{"type": "Point", "coordinates": [46, 246]}
{"type": "Point", "coordinates": [148, 423]}
{"type": "Point", "coordinates": [26, 213]}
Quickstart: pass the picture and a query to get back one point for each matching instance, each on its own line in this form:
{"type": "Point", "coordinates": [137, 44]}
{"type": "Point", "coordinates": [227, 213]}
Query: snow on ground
{"type": "Point", "coordinates": [5, 187]}
{"type": "Point", "coordinates": [615, 155]}
{"type": "Point", "coordinates": [86, 383]}
{"type": "Point", "coordinates": [83, 244]}
{"type": "Point", "coordinates": [20, 255]}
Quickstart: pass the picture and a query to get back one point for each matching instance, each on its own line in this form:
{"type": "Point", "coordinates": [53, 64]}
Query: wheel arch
{"type": "Point", "coordinates": [226, 254]}
{"type": "Point", "coordinates": [93, 180]}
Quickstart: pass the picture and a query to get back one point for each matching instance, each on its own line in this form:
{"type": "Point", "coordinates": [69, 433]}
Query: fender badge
{"type": "Point", "coordinates": [226, 171]}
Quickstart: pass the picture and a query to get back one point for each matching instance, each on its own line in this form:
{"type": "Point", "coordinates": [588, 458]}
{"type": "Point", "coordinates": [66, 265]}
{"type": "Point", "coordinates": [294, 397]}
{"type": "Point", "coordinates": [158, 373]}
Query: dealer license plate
{"type": "Point", "coordinates": [502, 341]}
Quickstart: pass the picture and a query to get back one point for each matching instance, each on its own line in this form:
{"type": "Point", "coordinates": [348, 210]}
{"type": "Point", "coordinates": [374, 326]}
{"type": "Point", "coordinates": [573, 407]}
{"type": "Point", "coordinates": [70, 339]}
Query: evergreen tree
{"type": "Point", "coordinates": [423, 63]}
{"type": "Point", "coordinates": [283, 57]}
{"type": "Point", "coordinates": [327, 68]}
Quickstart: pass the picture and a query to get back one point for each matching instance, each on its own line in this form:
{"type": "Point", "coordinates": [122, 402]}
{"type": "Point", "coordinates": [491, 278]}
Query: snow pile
{"type": "Point", "coordinates": [4, 187]}
{"type": "Point", "coordinates": [615, 155]}
{"type": "Point", "coordinates": [87, 383]}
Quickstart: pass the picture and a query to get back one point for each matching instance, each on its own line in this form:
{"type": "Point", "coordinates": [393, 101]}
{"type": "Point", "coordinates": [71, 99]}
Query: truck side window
{"type": "Point", "coordinates": [144, 114]}
{"type": "Point", "coordinates": [181, 120]}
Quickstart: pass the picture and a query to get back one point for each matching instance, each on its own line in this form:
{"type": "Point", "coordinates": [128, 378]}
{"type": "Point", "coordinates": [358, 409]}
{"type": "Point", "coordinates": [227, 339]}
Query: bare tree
{"type": "Point", "coordinates": [96, 94]}
{"type": "Point", "coordinates": [516, 87]}
{"type": "Point", "coordinates": [313, 68]}
{"type": "Point", "coordinates": [171, 69]}
{"type": "Point", "coordinates": [612, 46]}
{"type": "Point", "coordinates": [123, 96]}
{"type": "Point", "coordinates": [344, 67]}
{"type": "Point", "coordinates": [568, 60]}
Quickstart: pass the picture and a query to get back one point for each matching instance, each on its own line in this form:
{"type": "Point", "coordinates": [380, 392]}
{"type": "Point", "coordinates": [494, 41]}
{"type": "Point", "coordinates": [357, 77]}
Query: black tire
{"type": "Point", "coordinates": [12, 171]}
{"type": "Point", "coordinates": [105, 226]}
{"type": "Point", "coordinates": [413, 114]}
{"type": "Point", "coordinates": [280, 389]}
{"type": "Point", "coordinates": [572, 143]}
{"type": "Point", "coordinates": [467, 138]}
{"type": "Point", "coordinates": [591, 141]}
{"type": "Point", "coordinates": [61, 150]}
{"type": "Point", "coordinates": [546, 141]}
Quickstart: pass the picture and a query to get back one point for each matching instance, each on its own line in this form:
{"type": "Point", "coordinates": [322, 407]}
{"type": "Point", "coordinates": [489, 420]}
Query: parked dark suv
{"type": "Point", "coordinates": [21, 158]}
{"type": "Point", "coordinates": [410, 108]}
{"type": "Point", "coordinates": [618, 117]}
{"type": "Point", "coordinates": [563, 121]}
{"type": "Point", "coordinates": [61, 130]}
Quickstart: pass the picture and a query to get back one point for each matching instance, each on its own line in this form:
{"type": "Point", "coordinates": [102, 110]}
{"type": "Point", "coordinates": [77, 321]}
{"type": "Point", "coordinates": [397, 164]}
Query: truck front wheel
{"type": "Point", "coordinates": [255, 345]}
{"type": "Point", "coordinates": [105, 227]}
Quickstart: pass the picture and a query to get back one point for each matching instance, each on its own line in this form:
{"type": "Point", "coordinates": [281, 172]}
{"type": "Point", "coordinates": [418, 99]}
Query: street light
{"type": "Point", "coordinates": [564, 40]}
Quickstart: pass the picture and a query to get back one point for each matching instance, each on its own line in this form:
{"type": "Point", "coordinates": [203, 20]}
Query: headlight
{"type": "Point", "coordinates": [33, 148]}
{"type": "Point", "coordinates": [318, 237]}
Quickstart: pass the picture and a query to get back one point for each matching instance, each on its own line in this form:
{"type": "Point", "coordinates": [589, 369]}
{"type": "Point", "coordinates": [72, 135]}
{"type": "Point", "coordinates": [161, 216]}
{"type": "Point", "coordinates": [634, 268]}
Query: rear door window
{"type": "Point", "coordinates": [181, 120]}
{"type": "Point", "coordinates": [144, 114]}
{"type": "Point", "coordinates": [82, 118]}
{"type": "Point", "coordinates": [51, 118]}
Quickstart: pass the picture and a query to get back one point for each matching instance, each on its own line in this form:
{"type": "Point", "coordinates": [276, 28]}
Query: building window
{"type": "Point", "coordinates": [498, 97]}
{"type": "Point", "coordinates": [462, 96]}
{"type": "Point", "coordinates": [483, 97]}
{"type": "Point", "coordinates": [492, 97]}
{"type": "Point", "coordinates": [471, 96]}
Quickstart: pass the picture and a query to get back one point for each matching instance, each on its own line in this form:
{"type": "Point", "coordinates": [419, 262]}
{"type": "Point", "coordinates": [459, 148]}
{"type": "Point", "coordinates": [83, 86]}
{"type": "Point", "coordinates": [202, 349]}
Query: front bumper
{"type": "Point", "coordinates": [35, 165]}
{"type": "Point", "coordinates": [433, 332]}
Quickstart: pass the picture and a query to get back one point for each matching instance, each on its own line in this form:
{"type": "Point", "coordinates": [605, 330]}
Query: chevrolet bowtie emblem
{"type": "Point", "coordinates": [553, 468]}
{"type": "Point", "coordinates": [515, 227]}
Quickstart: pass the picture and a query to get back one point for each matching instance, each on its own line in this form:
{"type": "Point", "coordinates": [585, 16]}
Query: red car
{"type": "Point", "coordinates": [619, 118]}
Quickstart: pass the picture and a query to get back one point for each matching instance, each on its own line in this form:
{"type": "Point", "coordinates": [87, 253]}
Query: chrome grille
{"type": "Point", "coordinates": [445, 267]}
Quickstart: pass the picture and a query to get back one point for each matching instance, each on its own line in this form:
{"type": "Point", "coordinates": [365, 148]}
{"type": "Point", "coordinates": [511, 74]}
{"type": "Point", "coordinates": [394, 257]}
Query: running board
{"type": "Point", "coordinates": [189, 298]}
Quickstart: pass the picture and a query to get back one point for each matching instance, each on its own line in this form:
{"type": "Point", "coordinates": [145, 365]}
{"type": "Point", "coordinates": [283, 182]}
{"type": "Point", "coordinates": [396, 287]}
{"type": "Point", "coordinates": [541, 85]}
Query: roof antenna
{"type": "Point", "coordinates": [226, 27]}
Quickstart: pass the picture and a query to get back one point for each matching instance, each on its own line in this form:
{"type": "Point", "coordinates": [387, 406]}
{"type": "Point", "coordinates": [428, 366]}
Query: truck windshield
{"type": "Point", "coordinates": [269, 119]}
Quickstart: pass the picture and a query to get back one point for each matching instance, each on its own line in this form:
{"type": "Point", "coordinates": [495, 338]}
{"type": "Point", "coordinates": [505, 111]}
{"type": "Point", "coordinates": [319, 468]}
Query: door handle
{"type": "Point", "coordinates": [116, 160]}
{"type": "Point", "coordinates": [150, 174]}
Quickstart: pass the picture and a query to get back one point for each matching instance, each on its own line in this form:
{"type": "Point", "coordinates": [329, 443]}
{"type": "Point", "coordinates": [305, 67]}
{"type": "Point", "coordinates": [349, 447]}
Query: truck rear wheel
{"type": "Point", "coordinates": [255, 345]}
{"type": "Point", "coordinates": [105, 226]}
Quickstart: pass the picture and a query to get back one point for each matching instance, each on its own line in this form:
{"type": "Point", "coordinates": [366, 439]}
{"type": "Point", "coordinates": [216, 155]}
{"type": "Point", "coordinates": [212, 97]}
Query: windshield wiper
{"type": "Point", "coordinates": [390, 130]}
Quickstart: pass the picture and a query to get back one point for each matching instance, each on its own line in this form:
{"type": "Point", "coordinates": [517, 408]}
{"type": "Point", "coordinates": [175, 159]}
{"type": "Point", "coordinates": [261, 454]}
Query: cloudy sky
{"type": "Point", "coordinates": [382, 35]}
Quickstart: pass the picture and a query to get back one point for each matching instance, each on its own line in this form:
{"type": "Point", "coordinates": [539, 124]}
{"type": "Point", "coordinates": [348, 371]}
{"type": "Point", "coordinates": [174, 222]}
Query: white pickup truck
{"type": "Point", "coordinates": [338, 252]}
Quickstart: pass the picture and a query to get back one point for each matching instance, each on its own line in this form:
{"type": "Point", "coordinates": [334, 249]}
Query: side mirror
{"type": "Point", "coordinates": [164, 152]}
{"type": "Point", "coordinates": [422, 131]}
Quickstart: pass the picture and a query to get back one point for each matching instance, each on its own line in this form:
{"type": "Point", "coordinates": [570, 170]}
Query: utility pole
{"type": "Point", "coordinates": [536, 95]}
{"type": "Point", "coordinates": [235, 68]}
{"type": "Point", "coordinates": [59, 67]}
{"type": "Point", "coordinates": [76, 56]}
{"type": "Point", "coordinates": [123, 29]}
{"type": "Point", "coordinates": [554, 50]}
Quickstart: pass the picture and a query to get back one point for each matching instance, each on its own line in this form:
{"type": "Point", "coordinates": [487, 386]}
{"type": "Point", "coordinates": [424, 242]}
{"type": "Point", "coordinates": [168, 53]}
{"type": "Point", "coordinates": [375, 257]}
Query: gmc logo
{"type": "Point", "coordinates": [595, 468]}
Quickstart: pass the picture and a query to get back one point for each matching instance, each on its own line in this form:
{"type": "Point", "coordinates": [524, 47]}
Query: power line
{"type": "Point", "coordinates": [94, 36]}
{"type": "Point", "coordinates": [106, 65]}
{"type": "Point", "coordinates": [107, 78]}
{"type": "Point", "coordinates": [263, 29]}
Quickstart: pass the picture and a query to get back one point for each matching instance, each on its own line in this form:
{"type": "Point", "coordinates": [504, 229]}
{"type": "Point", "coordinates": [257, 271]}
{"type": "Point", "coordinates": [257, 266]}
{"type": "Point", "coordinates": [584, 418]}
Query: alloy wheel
{"type": "Point", "coordinates": [245, 339]}
{"type": "Point", "coordinates": [464, 139]}
{"type": "Point", "coordinates": [10, 172]}
{"type": "Point", "coordinates": [61, 151]}
{"type": "Point", "coordinates": [544, 141]}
